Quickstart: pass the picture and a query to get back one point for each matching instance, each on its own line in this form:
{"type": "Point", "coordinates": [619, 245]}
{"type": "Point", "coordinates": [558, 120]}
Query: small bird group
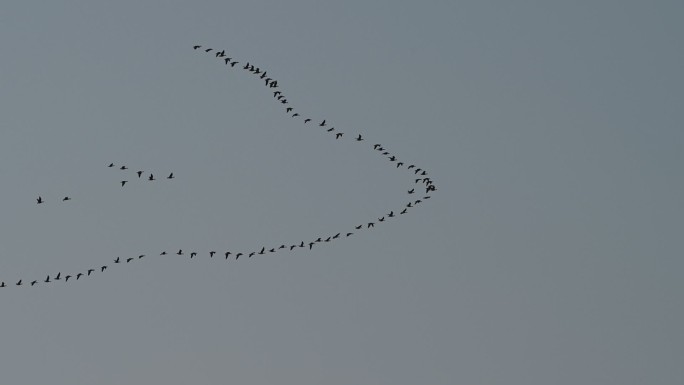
{"type": "Point", "coordinates": [150, 177]}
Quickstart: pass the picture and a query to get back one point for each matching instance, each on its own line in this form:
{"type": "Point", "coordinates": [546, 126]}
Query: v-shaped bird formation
{"type": "Point", "coordinates": [419, 178]}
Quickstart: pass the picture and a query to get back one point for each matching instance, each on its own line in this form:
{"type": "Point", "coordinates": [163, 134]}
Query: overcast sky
{"type": "Point", "coordinates": [550, 254]}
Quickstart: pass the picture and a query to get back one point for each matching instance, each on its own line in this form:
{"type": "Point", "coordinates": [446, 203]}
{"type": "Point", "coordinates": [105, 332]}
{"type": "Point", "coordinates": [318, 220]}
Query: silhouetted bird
{"type": "Point", "coordinates": [307, 120]}
{"type": "Point", "coordinates": [358, 227]}
{"type": "Point", "coordinates": [19, 283]}
{"type": "Point", "coordinates": [103, 268]}
{"type": "Point", "coordinates": [392, 158]}
{"type": "Point", "coordinates": [331, 129]}
{"type": "Point", "coordinates": [391, 214]}
{"type": "Point", "coordinates": [151, 177]}
{"type": "Point", "coordinates": [336, 236]}
{"type": "Point", "coordinates": [180, 252]}
{"type": "Point", "coordinates": [251, 254]}
{"type": "Point", "coordinates": [66, 199]}
{"type": "Point", "coordinates": [403, 211]}
{"type": "Point", "coordinates": [370, 224]}
{"type": "Point", "coordinates": [288, 109]}
{"type": "Point", "coordinates": [262, 250]}
{"type": "Point", "coordinates": [123, 182]}
{"type": "Point", "coordinates": [47, 279]}
{"type": "Point", "coordinates": [192, 255]}
{"type": "Point", "coordinates": [327, 239]}
{"type": "Point", "coordinates": [359, 138]}
{"type": "Point", "coordinates": [78, 276]}
{"type": "Point", "coordinates": [208, 49]}
{"type": "Point", "coordinates": [117, 260]}
{"type": "Point", "coordinates": [348, 234]}
{"type": "Point", "coordinates": [227, 254]}
{"type": "Point", "coordinates": [141, 256]}
{"type": "Point", "coordinates": [411, 166]}
{"type": "Point", "coordinates": [399, 164]}
{"type": "Point", "coordinates": [196, 46]}
{"type": "Point", "coordinates": [295, 115]}
{"type": "Point", "coordinates": [66, 278]}
{"type": "Point", "coordinates": [129, 259]}
{"type": "Point", "coordinates": [375, 146]}
{"type": "Point", "coordinates": [292, 247]}
{"type": "Point", "coordinates": [39, 200]}
{"type": "Point", "coordinates": [139, 174]}
{"type": "Point", "coordinates": [211, 254]}
{"type": "Point", "coordinates": [123, 168]}
{"type": "Point", "coordinates": [111, 165]}
{"type": "Point", "coordinates": [339, 135]}
{"type": "Point", "coordinates": [33, 282]}
{"type": "Point", "coordinates": [311, 245]}
{"type": "Point", "coordinates": [232, 64]}
{"type": "Point", "coordinates": [3, 284]}
{"type": "Point", "coordinates": [381, 219]}
{"type": "Point", "coordinates": [57, 277]}
{"type": "Point", "coordinates": [322, 124]}
{"type": "Point", "coordinates": [237, 256]}
{"type": "Point", "coordinates": [170, 176]}
{"type": "Point", "coordinates": [411, 191]}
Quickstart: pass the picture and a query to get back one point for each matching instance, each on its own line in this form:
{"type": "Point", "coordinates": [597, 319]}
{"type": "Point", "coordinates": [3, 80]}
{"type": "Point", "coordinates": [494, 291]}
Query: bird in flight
{"type": "Point", "coordinates": [33, 282]}
{"type": "Point", "coordinates": [123, 168]}
{"type": "Point", "coordinates": [78, 276]}
{"type": "Point", "coordinates": [19, 283]}
{"type": "Point", "coordinates": [103, 268]}
{"type": "Point", "coordinates": [129, 259]}
{"type": "Point", "coordinates": [307, 120]}
{"type": "Point", "coordinates": [151, 177]}
{"type": "Point", "coordinates": [117, 260]}
{"type": "Point", "coordinates": [170, 176]}
{"type": "Point", "coordinates": [57, 277]}
{"type": "Point", "coordinates": [111, 165]}
{"type": "Point", "coordinates": [339, 135]}
{"type": "Point", "coordinates": [39, 200]}
{"type": "Point", "coordinates": [123, 182]}
{"type": "Point", "coordinates": [3, 284]}
{"type": "Point", "coordinates": [47, 280]}
{"type": "Point", "coordinates": [211, 254]}
{"type": "Point", "coordinates": [66, 199]}
{"type": "Point", "coordinates": [66, 278]}
{"type": "Point", "coordinates": [139, 174]}
{"type": "Point", "coordinates": [196, 46]}
{"type": "Point", "coordinates": [359, 138]}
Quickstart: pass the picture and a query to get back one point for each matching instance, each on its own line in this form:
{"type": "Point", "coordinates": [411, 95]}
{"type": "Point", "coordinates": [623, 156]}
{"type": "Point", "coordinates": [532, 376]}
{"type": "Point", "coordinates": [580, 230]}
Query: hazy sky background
{"type": "Point", "coordinates": [551, 253]}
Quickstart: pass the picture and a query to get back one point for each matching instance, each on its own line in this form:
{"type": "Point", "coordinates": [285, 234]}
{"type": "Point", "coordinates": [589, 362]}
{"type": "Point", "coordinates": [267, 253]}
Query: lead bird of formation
{"type": "Point", "coordinates": [420, 178]}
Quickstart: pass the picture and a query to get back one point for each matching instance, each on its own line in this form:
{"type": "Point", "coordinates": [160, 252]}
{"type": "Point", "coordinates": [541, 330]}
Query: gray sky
{"type": "Point", "coordinates": [550, 254]}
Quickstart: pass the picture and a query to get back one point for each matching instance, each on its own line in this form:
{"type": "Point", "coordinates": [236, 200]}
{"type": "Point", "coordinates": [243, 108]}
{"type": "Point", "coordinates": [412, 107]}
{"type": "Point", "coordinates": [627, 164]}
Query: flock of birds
{"type": "Point", "coordinates": [420, 178]}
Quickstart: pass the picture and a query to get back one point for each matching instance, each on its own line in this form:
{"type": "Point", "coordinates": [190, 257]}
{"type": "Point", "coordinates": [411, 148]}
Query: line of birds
{"type": "Point", "coordinates": [420, 177]}
{"type": "Point", "coordinates": [149, 177]}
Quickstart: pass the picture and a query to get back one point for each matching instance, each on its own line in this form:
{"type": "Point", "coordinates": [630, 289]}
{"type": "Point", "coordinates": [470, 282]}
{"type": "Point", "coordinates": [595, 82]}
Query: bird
{"type": "Point", "coordinates": [33, 282]}
{"type": "Point", "coordinates": [411, 191]}
{"type": "Point", "coordinates": [39, 199]}
{"type": "Point", "coordinates": [399, 164]}
{"type": "Point", "coordinates": [129, 259]}
{"type": "Point", "coordinates": [19, 283]}
{"type": "Point", "coordinates": [327, 239]}
{"type": "Point", "coordinates": [78, 276]}
{"type": "Point", "coordinates": [370, 224]}
{"type": "Point", "coordinates": [301, 244]}
{"type": "Point", "coordinates": [358, 227]}
{"type": "Point", "coordinates": [111, 165]}
{"type": "Point", "coordinates": [180, 252]}
{"type": "Point", "coordinates": [359, 138]}
{"type": "Point", "coordinates": [262, 250]}
{"type": "Point", "coordinates": [339, 135]}
{"type": "Point", "coordinates": [170, 176]}
{"type": "Point", "coordinates": [392, 158]}
{"type": "Point", "coordinates": [227, 60]}
{"type": "Point", "coordinates": [322, 124]}
{"type": "Point", "coordinates": [292, 247]}
{"type": "Point", "coordinates": [192, 254]}
{"type": "Point", "coordinates": [237, 256]}
{"type": "Point", "coordinates": [375, 146]}
{"type": "Point", "coordinates": [331, 129]}
{"type": "Point", "coordinates": [66, 199]}
{"type": "Point", "coordinates": [288, 109]}
{"type": "Point", "coordinates": [3, 284]}
{"type": "Point", "coordinates": [117, 260]}
{"type": "Point", "coordinates": [208, 49]}
{"type": "Point", "coordinates": [47, 280]}
{"type": "Point", "coordinates": [139, 174]}
{"type": "Point", "coordinates": [336, 236]}
{"type": "Point", "coordinates": [103, 268]}
{"type": "Point", "coordinates": [391, 214]}
{"type": "Point", "coordinates": [162, 253]}
{"type": "Point", "coordinates": [211, 254]}
{"type": "Point", "coordinates": [232, 64]}
{"type": "Point", "coordinates": [57, 277]}
{"type": "Point", "coordinates": [348, 234]}
{"type": "Point", "coordinates": [141, 256]}
{"type": "Point", "coordinates": [151, 177]}
{"type": "Point", "coordinates": [272, 251]}
{"type": "Point", "coordinates": [250, 254]}
{"type": "Point", "coordinates": [66, 278]}
{"type": "Point", "coordinates": [123, 168]}
{"type": "Point", "coordinates": [409, 205]}
{"type": "Point", "coordinates": [295, 115]}
{"type": "Point", "coordinates": [311, 245]}
{"type": "Point", "coordinates": [403, 211]}
{"type": "Point", "coordinates": [307, 120]}
{"type": "Point", "coordinates": [196, 46]}
{"type": "Point", "coordinates": [227, 253]}
{"type": "Point", "coordinates": [123, 182]}
{"type": "Point", "coordinates": [410, 166]}
{"type": "Point", "coordinates": [281, 247]}
{"type": "Point", "coordinates": [90, 271]}
{"type": "Point", "coordinates": [381, 219]}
